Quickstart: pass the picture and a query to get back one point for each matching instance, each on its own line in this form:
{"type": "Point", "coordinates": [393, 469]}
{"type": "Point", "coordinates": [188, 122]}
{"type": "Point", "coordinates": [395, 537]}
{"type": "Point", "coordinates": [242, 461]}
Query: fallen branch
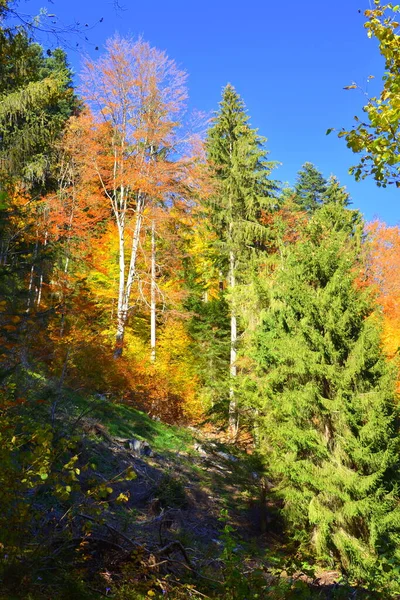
{"type": "Point", "coordinates": [175, 545]}
{"type": "Point", "coordinates": [112, 529]}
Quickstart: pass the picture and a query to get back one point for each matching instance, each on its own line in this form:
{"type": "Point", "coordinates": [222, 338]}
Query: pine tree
{"type": "Point", "coordinates": [310, 188]}
{"type": "Point", "coordinates": [327, 420]}
{"type": "Point", "coordinates": [335, 192]}
{"type": "Point", "coordinates": [37, 99]}
{"type": "Point", "coordinates": [240, 171]}
{"type": "Point", "coordinates": [209, 330]}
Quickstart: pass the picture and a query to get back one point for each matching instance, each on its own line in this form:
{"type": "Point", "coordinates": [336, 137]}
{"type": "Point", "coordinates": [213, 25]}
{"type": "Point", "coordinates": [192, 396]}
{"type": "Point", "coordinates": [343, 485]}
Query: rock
{"type": "Point", "coordinates": [227, 456]}
{"type": "Point", "coordinates": [140, 447]}
{"type": "Point", "coordinates": [199, 448]}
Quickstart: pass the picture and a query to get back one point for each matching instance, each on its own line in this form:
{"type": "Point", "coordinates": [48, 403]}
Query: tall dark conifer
{"type": "Point", "coordinates": [36, 100]}
{"type": "Point", "coordinates": [243, 189]}
{"type": "Point", "coordinates": [310, 188]}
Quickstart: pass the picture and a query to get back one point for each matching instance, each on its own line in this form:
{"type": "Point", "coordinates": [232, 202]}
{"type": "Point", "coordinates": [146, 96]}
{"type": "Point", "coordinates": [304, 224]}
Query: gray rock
{"type": "Point", "coordinates": [227, 456]}
{"type": "Point", "coordinates": [140, 447]}
{"type": "Point", "coordinates": [200, 449]}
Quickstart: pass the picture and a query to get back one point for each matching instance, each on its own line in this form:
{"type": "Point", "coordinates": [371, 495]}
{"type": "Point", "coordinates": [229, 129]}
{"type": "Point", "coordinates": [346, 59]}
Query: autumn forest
{"type": "Point", "coordinates": [199, 364]}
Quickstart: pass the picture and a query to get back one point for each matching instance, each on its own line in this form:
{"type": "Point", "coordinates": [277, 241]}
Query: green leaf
{"type": "Point", "coordinates": [130, 474]}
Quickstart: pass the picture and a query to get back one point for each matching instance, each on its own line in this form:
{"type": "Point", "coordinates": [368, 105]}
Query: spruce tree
{"type": "Point", "coordinates": [310, 188]}
{"type": "Point", "coordinates": [36, 101]}
{"type": "Point", "coordinates": [209, 329]}
{"type": "Point", "coordinates": [240, 171]}
{"type": "Point", "coordinates": [335, 192]}
{"type": "Point", "coordinates": [324, 396]}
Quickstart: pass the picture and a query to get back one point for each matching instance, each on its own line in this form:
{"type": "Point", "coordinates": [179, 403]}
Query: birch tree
{"type": "Point", "coordinates": [136, 94]}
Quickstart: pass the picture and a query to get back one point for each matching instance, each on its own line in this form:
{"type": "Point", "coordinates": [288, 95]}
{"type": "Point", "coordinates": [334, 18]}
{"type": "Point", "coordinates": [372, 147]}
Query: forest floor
{"type": "Point", "coordinates": [197, 512]}
{"type": "Point", "coordinates": [194, 519]}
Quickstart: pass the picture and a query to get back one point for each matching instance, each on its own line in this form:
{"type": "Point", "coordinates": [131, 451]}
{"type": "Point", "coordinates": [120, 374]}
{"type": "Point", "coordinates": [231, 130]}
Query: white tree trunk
{"type": "Point", "coordinates": [119, 338]}
{"type": "Point", "coordinates": [32, 274]}
{"type": "Point", "coordinates": [126, 280]}
{"type": "Point", "coordinates": [233, 417]}
{"type": "Point", "coordinates": [39, 297]}
{"type": "Point", "coordinates": [153, 294]}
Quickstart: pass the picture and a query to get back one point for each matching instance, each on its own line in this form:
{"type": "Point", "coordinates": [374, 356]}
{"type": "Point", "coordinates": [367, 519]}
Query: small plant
{"type": "Point", "coordinates": [170, 492]}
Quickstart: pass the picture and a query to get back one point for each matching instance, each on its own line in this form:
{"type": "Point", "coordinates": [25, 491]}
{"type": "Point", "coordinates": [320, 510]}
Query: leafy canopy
{"type": "Point", "coordinates": [377, 135]}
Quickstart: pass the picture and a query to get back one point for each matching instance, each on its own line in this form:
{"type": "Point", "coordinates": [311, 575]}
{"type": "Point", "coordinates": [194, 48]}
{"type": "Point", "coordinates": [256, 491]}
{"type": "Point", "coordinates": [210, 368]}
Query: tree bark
{"type": "Point", "coordinates": [153, 295]}
{"type": "Point", "coordinates": [233, 417]}
{"type": "Point", "coordinates": [39, 291]}
{"type": "Point", "coordinates": [126, 280]}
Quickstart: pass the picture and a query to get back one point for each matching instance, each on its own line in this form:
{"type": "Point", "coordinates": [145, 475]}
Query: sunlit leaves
{"type": "Point", "coordinates": [377, 135]}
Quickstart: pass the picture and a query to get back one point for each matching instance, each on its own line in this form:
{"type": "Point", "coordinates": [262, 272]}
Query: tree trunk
{"type": "Point", "coordinates": [32, 274]}
{"type": "Point", "coordinates": [153, 295]}
{"type": "Point", "coordinates": [233, 417]}
{"type": "Point", "coordinates": [121, 319]}
{"type": "Point", "coordinates": [125, 284]}
{"type": "Point", "coordinates": [39, 296]}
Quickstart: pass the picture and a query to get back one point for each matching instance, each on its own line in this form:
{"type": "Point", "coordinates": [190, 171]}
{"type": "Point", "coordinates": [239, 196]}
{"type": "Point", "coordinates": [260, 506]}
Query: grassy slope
{"type": "Point", "coordinates": [223, 484]}
{"type": "Point", "coordinates": [194, 488]}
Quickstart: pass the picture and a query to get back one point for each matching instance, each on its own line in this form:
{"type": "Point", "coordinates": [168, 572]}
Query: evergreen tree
{"type": "Point", "coordinates": [324, 396]}
{"type": "Point", "coordinates": [209, 329]}
{"type": "Point", "coordinates": [310, 188]}
{"type": "Point", "coordinates": [36, 100]}
{"type": "Point", "coordinates": [243, 189]}
{"type": "Point", "coordinates": [335, 192]}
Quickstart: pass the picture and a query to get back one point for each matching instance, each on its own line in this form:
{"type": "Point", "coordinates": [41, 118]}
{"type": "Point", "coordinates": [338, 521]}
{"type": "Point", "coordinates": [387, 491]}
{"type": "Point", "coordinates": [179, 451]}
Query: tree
{"type": "Point", "coordinates": [240, 171]}
{"type": "Point", "coordinates": [136, 94]}
{"type": "Point", "coordinates": [383, 272]}
{"type": "Point", "coordinates": [336, 193]}
{"type": "Point", "coordinates": [324, 395]}
{"type": "Point", "coordinates": [37, 100]}
{"type": "Point", "coordinates": [376, 136]}
{"type": "Point", "coordinates": [310, 188]}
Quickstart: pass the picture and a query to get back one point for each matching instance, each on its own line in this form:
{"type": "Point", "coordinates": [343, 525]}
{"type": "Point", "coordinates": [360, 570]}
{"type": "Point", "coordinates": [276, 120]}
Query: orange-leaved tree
{"type": "Point", "coordinates": [136, 95]}
{"type": "Point", "coordinates": [383, 264]}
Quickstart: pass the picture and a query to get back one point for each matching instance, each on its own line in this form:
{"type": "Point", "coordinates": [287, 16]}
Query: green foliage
{"type": "Point", "coordinates": [240, 169]}
{"type": "Point", "coordinates": [325, 401]}
{"type": "Point", "coordinates": [242, 192]}
{"type": "Point", "coordinates": [310, 188]}
{"type": "Point", "coordinates": [171, 492]}
{"type": "Point", "coordinates": [376, 136]}
{"type": "Point", "coordinates": [37, 99]}
{"type": "Point", "coordinates": [209, 329]}
{"type": "Point", "coordinates": [336, 192]}
{"type": "Point", "coordinates": [235, 586]}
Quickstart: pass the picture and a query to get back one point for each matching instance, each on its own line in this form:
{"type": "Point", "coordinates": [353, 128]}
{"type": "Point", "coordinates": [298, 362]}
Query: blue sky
{"type": "Point", "coordinates": [289, 61]}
